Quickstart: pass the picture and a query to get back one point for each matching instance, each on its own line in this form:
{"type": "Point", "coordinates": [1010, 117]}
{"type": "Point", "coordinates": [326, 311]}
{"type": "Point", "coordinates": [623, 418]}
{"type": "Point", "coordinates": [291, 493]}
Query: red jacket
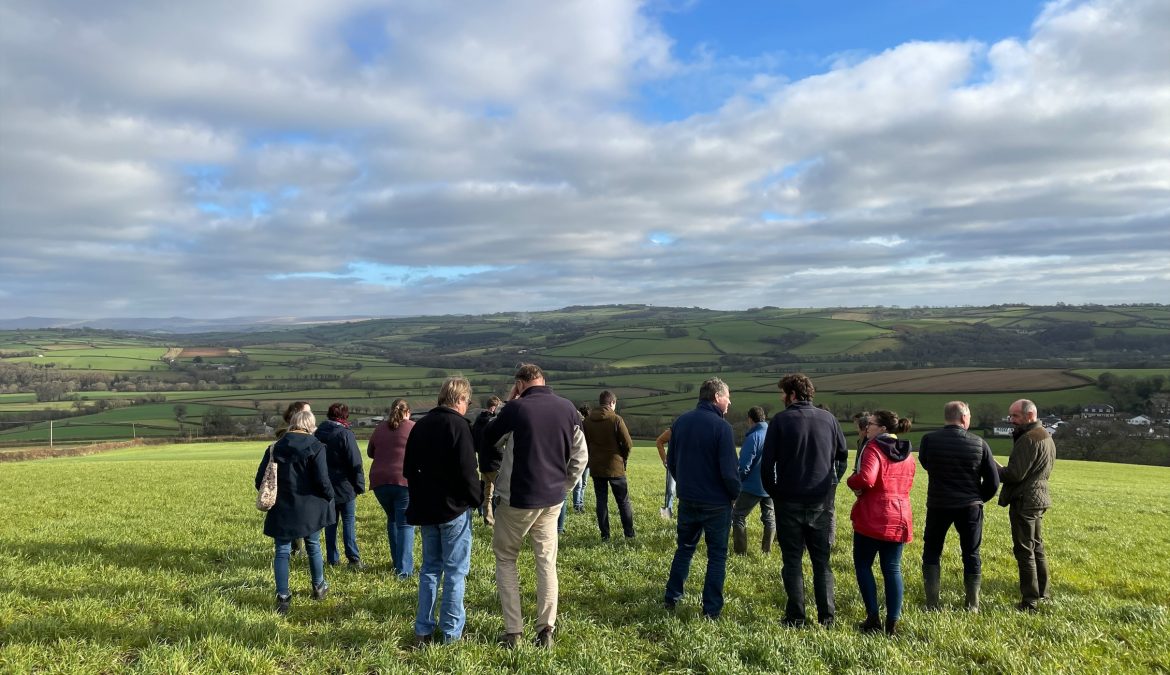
{"type": "Point", "coordinates": [882, 511]}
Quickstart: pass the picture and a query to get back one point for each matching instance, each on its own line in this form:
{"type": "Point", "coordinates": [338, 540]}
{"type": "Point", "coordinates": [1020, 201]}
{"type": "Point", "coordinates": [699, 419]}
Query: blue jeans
{"type": "Point", "coordinates": [394, 500]}
{"type": "Point", "coordinates": [579, 491]}
{"type": "Point", "coordinates": [668, 496]}
{"type": "Point", "coordinates": [446, 551]}
{"type": "Point", "coordinates": [346, 514]}
{"type": "Point", "coordinates": [713, 523]}
{"type": "Point", "coordinates": [280, 562]}
{"type": "Point", "coordinates": [865, 549]}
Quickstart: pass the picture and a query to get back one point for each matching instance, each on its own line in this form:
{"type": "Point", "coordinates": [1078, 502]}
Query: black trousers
{"type": "Point", "coordinates": [621, 495]}
{"type": "Point", "coordinates": [967, 521]}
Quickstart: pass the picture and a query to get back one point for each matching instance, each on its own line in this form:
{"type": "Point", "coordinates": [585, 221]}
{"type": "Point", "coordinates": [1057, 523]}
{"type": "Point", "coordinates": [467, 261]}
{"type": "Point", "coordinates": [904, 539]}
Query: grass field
{"type": "Point", "coordinates": [152, 560]}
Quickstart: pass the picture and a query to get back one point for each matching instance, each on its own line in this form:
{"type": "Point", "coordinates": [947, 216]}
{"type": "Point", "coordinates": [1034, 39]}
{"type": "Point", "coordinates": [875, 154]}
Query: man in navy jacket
{"type": "Point", "coordinates": [703, 462]}
{"type": "Point", "coordinates": [804, 458]}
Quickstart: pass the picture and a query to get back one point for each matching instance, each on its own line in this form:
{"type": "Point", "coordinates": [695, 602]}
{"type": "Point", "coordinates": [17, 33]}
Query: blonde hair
{"type": "Point", "coordinates": [453, 390]}
{"type": "Point", "coordinates": [303, 420]}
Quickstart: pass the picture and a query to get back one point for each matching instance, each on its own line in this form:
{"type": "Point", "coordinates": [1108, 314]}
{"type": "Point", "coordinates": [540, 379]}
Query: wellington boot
{"type": "Point", "coordinates": [739, 539]}
{"type": "Point", "coordinates": [971, 584]}
{"type": "Point", "coordinates": [932, 584]}
{"type": "Point", "coordinates": [769, 537]}
{"type": "Point", "coordinates": [872, 624]}
{"type": "Point", "coordinates": [891, 626]}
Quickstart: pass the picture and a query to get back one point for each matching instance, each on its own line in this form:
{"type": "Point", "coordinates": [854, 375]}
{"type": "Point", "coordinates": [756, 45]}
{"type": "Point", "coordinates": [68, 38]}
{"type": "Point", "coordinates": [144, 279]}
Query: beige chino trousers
{"type": "Point", "coordinates": [511, 526]}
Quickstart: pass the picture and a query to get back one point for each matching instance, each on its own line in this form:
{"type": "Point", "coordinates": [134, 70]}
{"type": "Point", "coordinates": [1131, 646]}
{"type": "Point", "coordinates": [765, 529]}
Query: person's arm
{"type": "Point", "coordinates": [989, 474]}
{"type": "Point", "coordinates": [671, 454]}
{"type": "Point", "coordinates": [749, 455]}
{"type": "Point", "coordinates": [728, 465]}
{"type": "Point", "coordinates": [924, 455]}
{"type": "Point", "coordinates": [661, 442]}
{"type": "Point", "coordinates": [841, 455]}
{"type": "Point", "coordinates": [370, 449]}
{"type": "Point", "coordinates": [263, 466]}
{"type": "Point", "coordinates": [768, 459]}
{"type": "Point", "coordinates": [1019, 462]}
{"type": "Point", "coordinates": [627, 442]}
{"type": "Point", "coordinates": [867, 476]}
{"type": "Point", "coordinates": [467, 471]}
{"type": "Point", "coordinates": [320, 472]}
{"type": "Point", "coordinates": [355, 460]}
{"type": "Point", "coordinates": [578, 459]}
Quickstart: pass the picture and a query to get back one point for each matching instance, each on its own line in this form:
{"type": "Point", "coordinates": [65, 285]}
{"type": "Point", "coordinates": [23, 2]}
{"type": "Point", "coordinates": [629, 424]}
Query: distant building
{"type": "Point", "coordinates": [1097, 410]}
{"type": "Point", "coordinates": [1002, 431]}
{"type": "Point", "coordinates": [1139, 421]}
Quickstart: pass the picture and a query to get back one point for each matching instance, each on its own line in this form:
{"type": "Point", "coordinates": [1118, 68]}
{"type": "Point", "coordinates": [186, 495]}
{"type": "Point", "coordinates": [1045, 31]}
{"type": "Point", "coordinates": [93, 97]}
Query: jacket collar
{"type": "Point", "coordinates": [1016, 433]}
{"type": "Point", "coordinates": [537, 390]}
{"type": "Point", "coordinates": [704, 404]}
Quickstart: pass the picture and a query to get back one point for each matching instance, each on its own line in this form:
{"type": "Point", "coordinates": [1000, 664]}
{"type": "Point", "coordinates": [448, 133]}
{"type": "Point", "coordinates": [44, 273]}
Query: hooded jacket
{"type": "Point", "coordinates": [882, 511]}
{"type": "Point", "coordinates": [345, 460]}
{"type": "Point", "coordinates": [304, 495]}
{"type": "Point", "coordinates": [609, 443]}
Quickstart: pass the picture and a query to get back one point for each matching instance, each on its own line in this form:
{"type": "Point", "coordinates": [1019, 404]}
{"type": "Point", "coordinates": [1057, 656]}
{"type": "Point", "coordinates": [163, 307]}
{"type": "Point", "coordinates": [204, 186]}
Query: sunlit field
{"type": "Point", "coordinates": [152, 560]}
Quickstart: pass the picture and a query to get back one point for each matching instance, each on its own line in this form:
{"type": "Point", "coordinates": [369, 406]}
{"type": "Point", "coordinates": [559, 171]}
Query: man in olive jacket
{"type": "Point", "coordinates": [1025, 493]}
{"type": "Point", "coordinates": [609, 449]}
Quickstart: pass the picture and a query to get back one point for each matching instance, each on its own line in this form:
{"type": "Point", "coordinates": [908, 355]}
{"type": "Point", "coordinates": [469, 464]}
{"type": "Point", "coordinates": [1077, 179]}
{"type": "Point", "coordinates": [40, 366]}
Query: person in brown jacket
{"type": "Point", "coordinates": [1025, 493]}
{"type": "Point", "coordinates": [609, 449]}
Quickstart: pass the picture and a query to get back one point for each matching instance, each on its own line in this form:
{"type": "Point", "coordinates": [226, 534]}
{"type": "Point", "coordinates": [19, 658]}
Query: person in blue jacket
{"type": "Point", "coordinates": [750, 454]}
{"type": "Point", "coordinates": [702, 460]}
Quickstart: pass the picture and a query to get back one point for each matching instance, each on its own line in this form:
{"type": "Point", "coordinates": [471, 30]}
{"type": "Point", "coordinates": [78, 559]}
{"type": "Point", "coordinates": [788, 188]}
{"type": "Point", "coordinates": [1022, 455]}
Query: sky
{"type": "Point", "coordinates": [300, 158]}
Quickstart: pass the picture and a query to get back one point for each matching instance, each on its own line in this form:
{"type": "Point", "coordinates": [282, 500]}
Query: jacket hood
{"type": "Point", "coordinates": [300, 445]}
{"type": "Point", "coordinates": [598, 414]}
{"type": "Point", "coordinates": [896, 449]}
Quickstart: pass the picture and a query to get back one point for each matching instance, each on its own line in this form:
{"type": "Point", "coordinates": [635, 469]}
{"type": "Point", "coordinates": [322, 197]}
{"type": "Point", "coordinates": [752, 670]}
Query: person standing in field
{"type": "Point", "coordinates": [667, 510]}
{"type": "Point", "coordinates": [963, 475]}
{"type": "Point", "coordinates": [752, 493]}
{"type": "Point", "coordinates": [489, 457]}
{"type": "Point", "coordinates": [297, 544]}
{"type": "Point", "coordinates": [444, 485]}
{"type": "Point", "coordinates": [805, 456]}
{"type": "Point", "coordinates": [304, 503]}
{"type": "Point", "coordinates": [609, 451]}
{"type": "Point", "coordinates": [861, 419]}
{"type": "Point", "coordinates": [702, 460]}
{"type": "Point", "coordinates": [387, 449]}
{"type": "Point", "coordinates": [349, 481]}
{"type": "Point", "coordinates": [1025, 493]}
{"type": "Point", "coordinates": [579, 488]}
{"type": "Point", "coordinates": [882, 519]}
{"type": "Point", "coordinates": [547, 456]}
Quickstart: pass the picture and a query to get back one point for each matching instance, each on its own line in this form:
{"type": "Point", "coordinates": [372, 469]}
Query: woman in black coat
{"type": "Point", "coordinates": [304, 503]}
{"type": "Point", "coordinates": [349, 481]}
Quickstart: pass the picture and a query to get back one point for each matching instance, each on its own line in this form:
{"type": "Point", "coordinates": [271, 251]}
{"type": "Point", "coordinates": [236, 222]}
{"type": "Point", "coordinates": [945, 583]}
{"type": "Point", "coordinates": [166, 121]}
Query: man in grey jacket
{"type": "Point", "coordinates": [1025, 493]}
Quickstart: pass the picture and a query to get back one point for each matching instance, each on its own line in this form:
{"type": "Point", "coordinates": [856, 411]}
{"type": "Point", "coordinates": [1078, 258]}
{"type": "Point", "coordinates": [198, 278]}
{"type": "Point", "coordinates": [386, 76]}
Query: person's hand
{"type": "Point", "coordinates": [515, 393]}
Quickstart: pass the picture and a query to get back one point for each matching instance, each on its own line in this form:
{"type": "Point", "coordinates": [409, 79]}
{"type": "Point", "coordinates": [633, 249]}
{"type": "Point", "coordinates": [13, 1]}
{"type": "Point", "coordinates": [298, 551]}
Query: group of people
{"type": "Point", "coordinates": [520, 460]}
{"type": "Point", "coordinates": [791, 467]}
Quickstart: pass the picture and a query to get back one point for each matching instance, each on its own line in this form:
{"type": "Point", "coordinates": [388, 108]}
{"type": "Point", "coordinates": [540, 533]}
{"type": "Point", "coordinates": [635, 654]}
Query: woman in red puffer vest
{"type": "Point", "coordinates": [882, 522]}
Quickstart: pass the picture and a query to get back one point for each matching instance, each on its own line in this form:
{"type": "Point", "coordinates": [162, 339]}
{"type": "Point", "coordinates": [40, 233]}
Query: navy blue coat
{"type": "Point", "coordinates": [542, 426]}
{"type": "Point", "coordinates": [304, 494]}
{"type": "Point", "coordinates": [804, 455]}
{"type": "Point", "coordinates": [702, 457]}
{"type": "Point", "coordinates": [345, 461]}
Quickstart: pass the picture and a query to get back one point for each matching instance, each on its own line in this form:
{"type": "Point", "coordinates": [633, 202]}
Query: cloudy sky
{"type": "Point", "coordinates": [294, 157]}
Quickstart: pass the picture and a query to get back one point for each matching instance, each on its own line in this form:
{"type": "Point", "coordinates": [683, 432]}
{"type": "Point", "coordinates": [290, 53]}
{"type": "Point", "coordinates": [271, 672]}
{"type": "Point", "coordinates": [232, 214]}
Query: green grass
{"type": "Point", "coordinates": [152, 559]}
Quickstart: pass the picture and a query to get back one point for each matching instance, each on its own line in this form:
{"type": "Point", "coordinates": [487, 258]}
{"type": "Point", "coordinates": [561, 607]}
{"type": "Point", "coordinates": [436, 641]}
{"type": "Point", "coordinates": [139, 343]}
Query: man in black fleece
{"type": "Point", "coordinates": [963, 475]}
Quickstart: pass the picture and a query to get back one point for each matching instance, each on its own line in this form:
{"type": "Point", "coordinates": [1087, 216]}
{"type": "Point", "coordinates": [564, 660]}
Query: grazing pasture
{"type": "Point", "coordinates": [151, 559]}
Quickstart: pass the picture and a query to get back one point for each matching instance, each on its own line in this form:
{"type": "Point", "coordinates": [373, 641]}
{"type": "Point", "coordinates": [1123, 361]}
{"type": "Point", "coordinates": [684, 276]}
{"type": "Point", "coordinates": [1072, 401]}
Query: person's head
{"type": "Point", "coordinates": [957, 412]}
{"type": "Point", "coordinates": [583, 409]}
{"type": "Point", "coordinates": [861, 419]}
{"type": "Point", "coordinates": [528, 375]}
{"type": "Point", "coordinates": [716, 391]}
{"type": "Point", "coordinates": [607, 399]}
{"type": "Point", "coordinates": [303, 420]}
{"type": "Point", "coordinates": [887, 422]}
{"type": "Point", "coordinates": [294, 407]}
{"type": "Point", "coordinates": [756, 414]}
{"type": "Point", "coordinates": [338, 411]}
{"type": "Point", "coordinates": [455, 393]}
{"type": "Point", "coordinates": [493, 403]}
{"type": "Point", "coordinates": [398, 412]}
{"type": "Point", "coordinates": [1022, 412]}
{"type": "Point", "coordinates": [796, 387]}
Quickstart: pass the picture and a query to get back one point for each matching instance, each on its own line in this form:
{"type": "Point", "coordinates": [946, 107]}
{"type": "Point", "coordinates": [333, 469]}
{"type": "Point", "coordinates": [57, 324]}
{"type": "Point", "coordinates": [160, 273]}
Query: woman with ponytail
{"type": "Point", "coordinates": [882, 522]}
{"type": "Point", "coordinates": [387, 447]}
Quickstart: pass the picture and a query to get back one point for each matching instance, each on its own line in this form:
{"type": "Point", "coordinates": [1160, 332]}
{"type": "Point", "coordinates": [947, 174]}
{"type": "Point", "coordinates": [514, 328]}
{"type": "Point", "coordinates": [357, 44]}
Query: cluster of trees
{"type": "Point", "coordinates": [1110, 441]}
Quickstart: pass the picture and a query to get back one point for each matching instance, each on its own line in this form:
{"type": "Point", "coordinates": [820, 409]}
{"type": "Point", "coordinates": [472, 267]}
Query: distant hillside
{"type": "Point", "coordinates": [174, 324]}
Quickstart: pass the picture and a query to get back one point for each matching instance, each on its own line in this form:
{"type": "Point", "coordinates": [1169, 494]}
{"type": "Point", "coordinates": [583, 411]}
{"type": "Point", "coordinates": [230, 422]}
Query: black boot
{"type": "Point", "coordinates": [739, 538]}
{"type": "Point", "coordinates": [769, 537]}
{"type": "Point", "coordinates": [971, 583]}
{"type": "Point", "coordinates": [872, 624]}
{"type": "Point", "coordinates": [933, 586]}
{"type": "Point", "coordinates": [891, 626]}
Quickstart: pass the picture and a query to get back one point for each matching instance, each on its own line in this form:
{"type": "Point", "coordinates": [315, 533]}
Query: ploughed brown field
{"type": "Point", "coordinates": [956, 380]}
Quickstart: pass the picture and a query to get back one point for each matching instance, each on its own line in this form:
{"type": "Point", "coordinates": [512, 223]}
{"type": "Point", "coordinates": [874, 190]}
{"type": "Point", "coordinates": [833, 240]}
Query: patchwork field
{"type": "Point", "coordinates": [186, 585]}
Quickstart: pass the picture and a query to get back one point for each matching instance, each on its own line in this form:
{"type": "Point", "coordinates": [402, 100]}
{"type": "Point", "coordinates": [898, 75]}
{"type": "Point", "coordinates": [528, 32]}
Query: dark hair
{"type": "Point", "coordinates": [294, 407]}
{"type": "Point", "coordinates": [798, 386]}
{"type": "Point", "coordinates": [493, 401]}
{"type": "Point", "coordinates": [756, 414]}
{"type": "Point", "coordinates": [583, 409]}
{"type": "Point", "coordinates": [861, 419]}
{"type": "Point", "coordinates": [529, 372]}
{"type": "Point", "coordinates": [607, 398]}
{"type": "Point", "coordinates": [338, 411]}
{"type": "Point", "coordinates": [398, 412]}
{"type": "Point", "coordinates": [890, 420]}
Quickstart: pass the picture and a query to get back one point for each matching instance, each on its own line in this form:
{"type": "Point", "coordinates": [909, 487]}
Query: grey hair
{"type": "Point", "coordinates": [712, 388]}
{"type": "Point", "coordinates": [955, 411]}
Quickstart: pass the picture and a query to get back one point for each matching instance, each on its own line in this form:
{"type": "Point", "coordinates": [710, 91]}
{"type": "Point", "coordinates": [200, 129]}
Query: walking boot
{"type": "Point", "coordinates": [891, 626]}
{"type": "Point", "coordinates": [971, 584]}
{"type": "Point", "coordinates": [769, 537]}
{"type": "Point", "coordinates": [739, 539]}
{"type": "Point", "coordinates": [872, 624]}
{"type": "Point", "coordinates": [932, 584]}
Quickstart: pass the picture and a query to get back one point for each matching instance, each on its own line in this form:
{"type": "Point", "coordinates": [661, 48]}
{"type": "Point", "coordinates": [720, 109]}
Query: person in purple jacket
{"type": "Point", "coordinates": [702, 460]}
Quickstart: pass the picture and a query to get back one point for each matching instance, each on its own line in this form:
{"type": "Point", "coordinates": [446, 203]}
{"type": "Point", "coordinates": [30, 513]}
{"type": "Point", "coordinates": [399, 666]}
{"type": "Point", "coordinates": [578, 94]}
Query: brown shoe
{"type": "Point", "coordinates": [421, 641]}
{"type": "Point", "coordinates": [510, 640]}
{"type": "Point", "coordinates": [544, 639]}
